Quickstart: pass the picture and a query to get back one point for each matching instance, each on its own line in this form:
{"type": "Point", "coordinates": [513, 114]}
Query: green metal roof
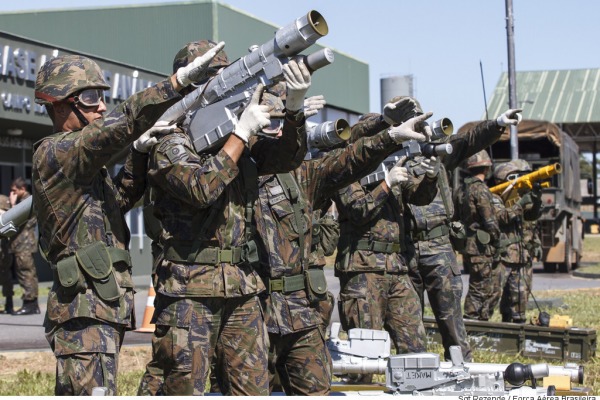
{"type": "Point", "coordinates": [148, 36]}
{"type": "Point", "coordinates": [559, 96]}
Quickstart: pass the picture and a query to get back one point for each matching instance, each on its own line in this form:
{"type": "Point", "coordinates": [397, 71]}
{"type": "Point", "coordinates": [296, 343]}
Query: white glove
{"type": "Point", "coordinates": [431, 166]}
{"type": "Point", "coordinates": [194, 71]}
{"type": "Point", "coordinates": [397, 174]}
{"type": "Point", "coordinates": [297, 79]}
{"type": "Point", "coordinates": [510, 117]}
{"type": "Point", "coordinates": [312, 105]}
{"type": "Point", "coordinates": [398, 112]}
{"type": "Point", "coordinates": [144, 143]}
{"type": "Point", "coordinates": [254, 118]}
{"type": "Point", "coordinates": [408, 130]}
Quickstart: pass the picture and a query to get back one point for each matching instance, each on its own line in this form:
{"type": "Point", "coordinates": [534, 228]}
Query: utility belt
{"type": "Point", "coordinates": [182, 253]}
{"type": "Point", "coordinates": [438, 231]}
{"type": "Point", "coordinates": [312, 280]}
{"type": "Point", "coordinates": [379, 247]}
{"type": "Point", "coordinates": [93, 263]}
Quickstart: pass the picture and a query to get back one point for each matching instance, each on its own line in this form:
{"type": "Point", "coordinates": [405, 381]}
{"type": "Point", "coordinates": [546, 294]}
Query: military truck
{"type": "Point", "coordinates": [543, 143]}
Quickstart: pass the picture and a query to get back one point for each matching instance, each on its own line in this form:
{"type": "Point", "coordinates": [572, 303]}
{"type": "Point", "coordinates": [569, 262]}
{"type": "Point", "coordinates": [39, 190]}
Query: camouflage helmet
{"type": "Point", "coordinates": [503, 170]}
{"type": "Point", "coordinates": [62, 76]}
{"type": "Point", "coordinates": [4, 202]}
{"type": "Point", "coordinates": [481, 159]}
{"type": "Point", "coordinates": [193, 50]}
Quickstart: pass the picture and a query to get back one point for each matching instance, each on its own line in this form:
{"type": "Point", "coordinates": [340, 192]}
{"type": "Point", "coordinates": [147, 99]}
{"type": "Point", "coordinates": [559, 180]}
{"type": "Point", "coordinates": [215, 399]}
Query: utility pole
{"type": "Point", "coordinates": [512, 80]}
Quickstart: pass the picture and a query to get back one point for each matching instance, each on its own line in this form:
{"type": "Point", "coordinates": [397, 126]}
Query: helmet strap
{"type": "Point", "coordinates": [79, 115]}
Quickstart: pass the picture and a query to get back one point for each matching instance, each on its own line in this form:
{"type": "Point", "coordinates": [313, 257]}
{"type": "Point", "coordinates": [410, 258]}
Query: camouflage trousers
{"type": "Point", "coordinates": [515, 284]}
{"type": "Point", "coordinates": [479, 303]}
{"type": "Point", "coordinates": [87, 356]}
{"type": "Point", "coordinates": [437, 273]}
{"type": "Point", "coordinates": [376, 300]}
{"type": "Point", "coordinates": [325, 309]}
{"type": "Point", "coordinates": [26, 275]}
{"type": "Point", "coordinates": [301, 362]}
{"type": "Point", "coordinates": [190, 331]}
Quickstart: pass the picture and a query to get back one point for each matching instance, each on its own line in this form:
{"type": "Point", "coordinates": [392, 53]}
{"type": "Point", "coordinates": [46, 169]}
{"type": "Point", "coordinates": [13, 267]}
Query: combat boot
{"type": "Point", "coordinates": [8, 306]}
{"type": "Point", "coordinates": [29, 307]}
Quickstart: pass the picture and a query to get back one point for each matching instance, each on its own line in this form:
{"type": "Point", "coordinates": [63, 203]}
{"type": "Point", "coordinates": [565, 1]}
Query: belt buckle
{"type": "Point", "coordinates": [276, 285]}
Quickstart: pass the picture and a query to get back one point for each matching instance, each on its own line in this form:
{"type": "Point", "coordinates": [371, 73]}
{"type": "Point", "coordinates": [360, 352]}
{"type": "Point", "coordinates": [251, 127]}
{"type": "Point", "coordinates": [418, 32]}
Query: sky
{"type": "Point", "coordinates": [441, 43]}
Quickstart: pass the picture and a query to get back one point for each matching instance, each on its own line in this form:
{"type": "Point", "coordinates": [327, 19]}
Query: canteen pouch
{"type": "Point", "coordinates": [458, 236]}
{"type": "Point", "coordinates": [69, 277]}
{"type": "Point", "coordinates": [316, 285]}
{"type": "Point", "coordinates": [96, 263]}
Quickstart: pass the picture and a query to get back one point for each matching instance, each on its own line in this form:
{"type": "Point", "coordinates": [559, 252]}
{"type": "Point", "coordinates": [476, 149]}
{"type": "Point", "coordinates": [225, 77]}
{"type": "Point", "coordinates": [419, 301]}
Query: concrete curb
{"type": "Point", "coordinates": [588, 275]}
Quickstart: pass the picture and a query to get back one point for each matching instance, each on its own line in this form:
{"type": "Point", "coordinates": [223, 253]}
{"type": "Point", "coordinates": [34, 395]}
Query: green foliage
{"type": "Point", "coordinates": [26, 383]}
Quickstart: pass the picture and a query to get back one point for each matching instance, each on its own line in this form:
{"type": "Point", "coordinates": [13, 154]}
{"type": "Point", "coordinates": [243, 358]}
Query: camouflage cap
{"type": "Point", "coordinates": [4, 202]}
{"type": "Point", "coordinates": [193, 50]}
{"type": "Point", "coordinates": [481, 159]}
{"type": "Point", "coordinates": [65, 75]}
{"type": "Point", "coordinates": [276, 108]}
{"type": "Point", "coordinates": [503, 170]}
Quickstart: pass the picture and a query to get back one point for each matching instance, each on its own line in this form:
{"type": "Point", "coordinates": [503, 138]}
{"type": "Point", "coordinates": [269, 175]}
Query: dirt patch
{"type": "Point", "coordinates": [131, 358]}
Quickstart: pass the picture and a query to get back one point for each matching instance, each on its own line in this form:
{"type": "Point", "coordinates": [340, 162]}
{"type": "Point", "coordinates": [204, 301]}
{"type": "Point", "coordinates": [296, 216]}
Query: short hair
{"type": "Point", "coordinates": [19, 183]}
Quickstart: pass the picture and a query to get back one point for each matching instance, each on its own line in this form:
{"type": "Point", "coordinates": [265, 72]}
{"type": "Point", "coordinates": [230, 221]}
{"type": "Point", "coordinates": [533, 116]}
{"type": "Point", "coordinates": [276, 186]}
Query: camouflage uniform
{"type": "Point", "coordinates": [6, 263]}
{"type": "Point", "coordinates": [375, 289]}
{"type": "Point", "coordinates": [22, 246]}
{"type": "Point", "coordinates": [296, 287]}
{"type": "Point", "coordinates": [513, 255]}
{"type": "Point", "coordinates": [207, 285]}
{"type": "Point", "coordinates": [433, 262]}
{"type": "Point", "coordinates": [80, 209]}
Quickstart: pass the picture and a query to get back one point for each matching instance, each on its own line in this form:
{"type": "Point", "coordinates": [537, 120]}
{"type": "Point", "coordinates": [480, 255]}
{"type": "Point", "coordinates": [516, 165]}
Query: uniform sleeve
{"type": "Point", "coordinates": [420, 189]}
{"type": "Point", "coordinates": [487, 212]}
{"type": "Point", "coordinates": [357, 205]}
{"type": "Point", "coordinates": [92, 147]}
{"type": "Point", "coordinates": [283, 154]}
{"type": "Point", "coordinates": [130, 181]}
{"type": "Point", "coordinates": [180, 171]}
{"type": "Point", "coordinates": [370, 126]}
{"type": "Point", "coordinates": [465, 144]}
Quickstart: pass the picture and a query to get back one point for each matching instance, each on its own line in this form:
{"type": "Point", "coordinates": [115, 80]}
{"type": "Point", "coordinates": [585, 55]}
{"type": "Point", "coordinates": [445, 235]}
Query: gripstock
{"type": "Point", "coordinates": [15, 217]}
{"type": "Point", "coordinates": [367, 351]}
{"type": "Point", "coordinates": [410, 149]}
{"type": "Point", "coordinates": [215, 106]}
{"type": "Point", "coordinates": [326, 135]}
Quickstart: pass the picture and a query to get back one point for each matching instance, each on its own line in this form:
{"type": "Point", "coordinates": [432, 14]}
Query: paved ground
{"type": "Point", "coordinates": [21, 333]}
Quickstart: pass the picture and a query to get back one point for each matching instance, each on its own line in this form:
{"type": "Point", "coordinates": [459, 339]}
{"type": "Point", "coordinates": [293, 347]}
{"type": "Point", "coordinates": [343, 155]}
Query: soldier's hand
{"type": "Point", "coordinates": [297, 79]}
{"type": "Point", "coordinates": [510, 117]}
{"type": "Point", "coordinates": [397, 174]}
{"type": "Point", "coordinates": [12, 197]}
{"type": "Point", "coordinates": [313, 104]}
{"type": "Point", "coordinates": [254, 118]}
{"type": "Point", "coordinates": [148, 139]}
{"type": "Point", "coordinates": [525, 200]}
{"type": "Point", "coordinates": [537, 253]}
{"type": "Point", "coordinates": [400, 111]}
{"type": "Point", "coordinates": [431, 166]}
{"type": "Point", "coordinates": [196, 70]}
{"type": "Point", "coordinates": [409, 129]}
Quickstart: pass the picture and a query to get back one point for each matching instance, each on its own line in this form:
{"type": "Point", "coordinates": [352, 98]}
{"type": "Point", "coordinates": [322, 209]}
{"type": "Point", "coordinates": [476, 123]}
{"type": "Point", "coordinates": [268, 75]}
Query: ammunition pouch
{"type": "Point", "coordinates": [483, 237]}
{"type": "Point", "coordinates": [313, 281]}
{"type": "Point", "coordinates": [379, 247]}
{"type": "Point", "coordinates": [93, 262]}
{"type": "Point", "coordinates": [181, 253]}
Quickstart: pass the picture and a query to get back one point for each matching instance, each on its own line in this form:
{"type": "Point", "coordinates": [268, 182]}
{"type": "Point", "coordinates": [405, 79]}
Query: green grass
{"type": "Point", "coordinates": [34, 376]}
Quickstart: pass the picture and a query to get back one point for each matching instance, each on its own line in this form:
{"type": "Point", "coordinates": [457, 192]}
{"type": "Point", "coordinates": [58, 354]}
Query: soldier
{"type": "Point", "coordinates": [22, 246]}
{"type": "Point", "coordinates": [433, 263]}
{"type": "Point", "coordinates": [480, 215]}
{"type": "Point", "coordinates": [207, 285]}
{"type": "Point", "coordinates": [6, 263]}
{"type": "Point", "coordinates": [375, 290]}
{"type": "Point", "coordinates": [295, 288]}
{"type": "Point", "coordinates": [513, 255]}
{"type": "Point", "coordinates": [80, 211]}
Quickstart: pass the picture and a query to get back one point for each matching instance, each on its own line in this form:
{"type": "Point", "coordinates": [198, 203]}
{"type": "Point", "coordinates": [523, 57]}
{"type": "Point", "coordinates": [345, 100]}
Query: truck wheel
{"type": "Point", "coordinates": [566, 266]}
{"type": "Point", "coordinates": [550, 267]}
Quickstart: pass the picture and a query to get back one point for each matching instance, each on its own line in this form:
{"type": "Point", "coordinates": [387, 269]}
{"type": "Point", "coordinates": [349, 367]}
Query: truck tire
{"type": "Point", "coordinates": [550, 267]}
{"type": "Point", "coordinates": [566, 266]}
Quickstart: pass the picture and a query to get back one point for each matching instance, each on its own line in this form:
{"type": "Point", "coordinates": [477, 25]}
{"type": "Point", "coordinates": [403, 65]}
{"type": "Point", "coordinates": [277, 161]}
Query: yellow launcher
{"type": "Point", "coordinates": [527, 181]}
